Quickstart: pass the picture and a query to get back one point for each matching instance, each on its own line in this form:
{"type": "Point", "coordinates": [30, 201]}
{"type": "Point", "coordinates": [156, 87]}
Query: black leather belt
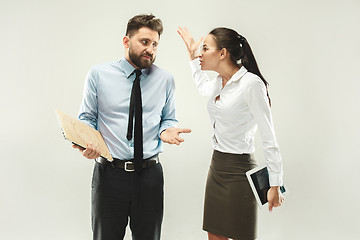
{"type": "Point", "coordinates": [128, 165]}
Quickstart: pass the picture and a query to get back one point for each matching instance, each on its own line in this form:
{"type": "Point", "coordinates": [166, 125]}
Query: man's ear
{"type": "Point", "coordinates": [126, 41]}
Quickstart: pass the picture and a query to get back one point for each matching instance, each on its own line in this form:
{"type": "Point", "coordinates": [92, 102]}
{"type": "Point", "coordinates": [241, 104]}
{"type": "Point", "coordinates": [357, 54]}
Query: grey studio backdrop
{"type": "Point", "coordinates": [308, 51]}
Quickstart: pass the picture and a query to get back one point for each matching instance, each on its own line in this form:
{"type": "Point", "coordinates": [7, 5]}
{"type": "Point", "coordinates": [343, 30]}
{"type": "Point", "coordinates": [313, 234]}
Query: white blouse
{"type": "Point", "coordinates": [242, 107]}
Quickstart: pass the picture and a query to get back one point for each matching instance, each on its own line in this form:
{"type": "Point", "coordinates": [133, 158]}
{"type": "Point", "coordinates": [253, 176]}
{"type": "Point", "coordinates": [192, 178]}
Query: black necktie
{"type": "Point", "coordinates": [135, 102]}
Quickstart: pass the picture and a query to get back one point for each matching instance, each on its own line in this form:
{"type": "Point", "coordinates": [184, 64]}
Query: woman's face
{"type": "Point", "coordinates": [210, 54]}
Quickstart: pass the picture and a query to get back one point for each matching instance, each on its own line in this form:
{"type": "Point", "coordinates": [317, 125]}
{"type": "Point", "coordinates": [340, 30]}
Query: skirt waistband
{"type": "Point", "coordinates": [232, 163]}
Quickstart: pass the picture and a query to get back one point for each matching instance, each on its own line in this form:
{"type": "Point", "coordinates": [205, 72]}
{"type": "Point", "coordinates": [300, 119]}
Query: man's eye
{"type": "Point", "coordinates": [145, 42]}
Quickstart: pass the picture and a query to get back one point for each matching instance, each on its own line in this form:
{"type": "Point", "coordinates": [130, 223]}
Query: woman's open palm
{"type": "Point", "coordinates": [191, 45]}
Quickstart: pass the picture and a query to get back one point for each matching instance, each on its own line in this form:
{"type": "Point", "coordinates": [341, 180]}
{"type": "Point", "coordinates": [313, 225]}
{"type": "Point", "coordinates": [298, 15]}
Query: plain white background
{"type": "Point", "coordinates": [307, 50]}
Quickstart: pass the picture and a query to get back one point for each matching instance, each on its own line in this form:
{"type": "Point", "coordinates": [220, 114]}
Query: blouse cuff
{"type": "Point", "coordinates": [195, 65]}
{"type": "Point", "coordinates": [275, 179]}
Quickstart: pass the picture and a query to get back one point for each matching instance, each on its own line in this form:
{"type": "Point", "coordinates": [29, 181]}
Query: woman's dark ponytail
{"type": "Point", "coordinates": [240, 51]}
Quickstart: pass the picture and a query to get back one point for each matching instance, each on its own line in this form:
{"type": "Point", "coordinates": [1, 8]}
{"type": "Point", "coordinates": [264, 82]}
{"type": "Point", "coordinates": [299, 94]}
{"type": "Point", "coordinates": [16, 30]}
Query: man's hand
{"type": "Point", "coordinates": [91, 152]}
{"type": "Point", "coordinates": [171, 135]}
{"type": "Point", "coordinates": [275, 198]}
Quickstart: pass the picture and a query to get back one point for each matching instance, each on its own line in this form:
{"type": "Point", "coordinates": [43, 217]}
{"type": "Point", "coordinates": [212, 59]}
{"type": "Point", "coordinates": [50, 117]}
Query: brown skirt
{"type": "Point", "coordinates": [230, 208]}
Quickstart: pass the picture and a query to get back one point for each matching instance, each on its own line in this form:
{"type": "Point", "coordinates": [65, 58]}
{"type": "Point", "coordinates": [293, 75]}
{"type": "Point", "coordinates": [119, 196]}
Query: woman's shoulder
{"type": "Point", "coordinates": [252, 80]}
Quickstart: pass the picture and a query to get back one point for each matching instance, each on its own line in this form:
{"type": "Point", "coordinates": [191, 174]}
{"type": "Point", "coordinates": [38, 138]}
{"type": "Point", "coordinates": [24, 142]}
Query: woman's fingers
{"type": "Point", "coordinates": [191, 45]}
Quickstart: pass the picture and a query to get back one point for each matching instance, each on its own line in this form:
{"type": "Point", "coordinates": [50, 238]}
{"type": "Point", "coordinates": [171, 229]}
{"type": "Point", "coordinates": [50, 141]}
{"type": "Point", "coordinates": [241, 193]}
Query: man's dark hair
{"type": "Point", "coordinates": [144, 20]}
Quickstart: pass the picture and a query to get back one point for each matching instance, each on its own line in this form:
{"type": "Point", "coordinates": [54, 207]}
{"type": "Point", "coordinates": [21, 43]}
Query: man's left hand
{"type": "Point", "coordinates": [171, 135]}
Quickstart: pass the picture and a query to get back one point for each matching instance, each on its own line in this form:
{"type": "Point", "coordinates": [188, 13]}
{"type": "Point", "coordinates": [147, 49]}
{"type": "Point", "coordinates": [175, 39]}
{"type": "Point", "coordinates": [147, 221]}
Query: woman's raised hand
{"type": "Point", "coordinates": [191, 45]}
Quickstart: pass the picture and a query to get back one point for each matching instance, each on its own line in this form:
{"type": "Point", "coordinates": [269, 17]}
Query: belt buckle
{"type": "Point", "coordinates": [129, 169]}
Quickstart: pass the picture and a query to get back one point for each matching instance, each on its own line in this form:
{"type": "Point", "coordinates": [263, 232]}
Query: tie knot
{"type": "Point", "coordinates": [137, 72]}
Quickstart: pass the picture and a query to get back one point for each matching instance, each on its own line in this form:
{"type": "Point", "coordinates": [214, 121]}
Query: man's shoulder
{"type": "Point", "coordinates": [156, 70]}
{"type": "Point", "coordinates": [97, 71]}
{"type": "Point", "coordinates": [105, 66]}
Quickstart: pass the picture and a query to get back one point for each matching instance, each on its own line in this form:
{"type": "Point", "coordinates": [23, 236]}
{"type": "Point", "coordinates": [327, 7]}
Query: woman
{"type": "Point", "coordinates": [239, 103]}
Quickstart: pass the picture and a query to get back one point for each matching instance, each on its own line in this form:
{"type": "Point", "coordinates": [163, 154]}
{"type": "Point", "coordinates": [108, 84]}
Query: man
{"type": "Point", "coordinates": [128, 100]}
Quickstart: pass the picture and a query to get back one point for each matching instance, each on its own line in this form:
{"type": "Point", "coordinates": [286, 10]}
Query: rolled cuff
{"type": "Point", "coordinates": [163, 127]}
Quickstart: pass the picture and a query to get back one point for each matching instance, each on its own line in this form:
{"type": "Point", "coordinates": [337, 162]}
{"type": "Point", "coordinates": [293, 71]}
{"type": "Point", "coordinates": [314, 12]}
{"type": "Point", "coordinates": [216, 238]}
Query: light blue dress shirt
{"type": "Point", "coordinates": [106, 99]}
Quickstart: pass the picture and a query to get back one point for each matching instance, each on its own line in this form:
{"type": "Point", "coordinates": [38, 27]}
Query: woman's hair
{"type": "Point", "coordinates": [239, 50]}
{"type": "Point", "coordinates": [144, 20]}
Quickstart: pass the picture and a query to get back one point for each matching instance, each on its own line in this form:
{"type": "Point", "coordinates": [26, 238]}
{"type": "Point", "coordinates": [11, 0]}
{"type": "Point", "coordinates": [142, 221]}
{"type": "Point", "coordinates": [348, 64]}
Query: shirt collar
{"type": "Point", "coordinates": [238, 75]}
{"type": "Point", "coordinates": [129, 69]}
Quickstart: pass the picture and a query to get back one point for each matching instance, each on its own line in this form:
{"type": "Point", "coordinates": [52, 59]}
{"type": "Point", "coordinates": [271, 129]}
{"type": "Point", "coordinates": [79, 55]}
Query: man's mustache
{"type": "Point", "coordinates": [149, 55]}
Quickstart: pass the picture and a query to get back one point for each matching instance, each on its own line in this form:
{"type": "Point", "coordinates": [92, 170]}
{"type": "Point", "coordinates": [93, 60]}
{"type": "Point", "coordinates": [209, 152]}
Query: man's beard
{"type": "Point", "coordinates": [140, 62]}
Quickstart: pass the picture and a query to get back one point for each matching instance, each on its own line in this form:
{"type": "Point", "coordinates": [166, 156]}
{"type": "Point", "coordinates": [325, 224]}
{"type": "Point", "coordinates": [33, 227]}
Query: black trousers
{"type": "Point", "coordinates": [119, 196]}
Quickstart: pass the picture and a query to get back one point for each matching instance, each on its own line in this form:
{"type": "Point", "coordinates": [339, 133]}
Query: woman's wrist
{"type": "Point", "coordinates": [192, 55]}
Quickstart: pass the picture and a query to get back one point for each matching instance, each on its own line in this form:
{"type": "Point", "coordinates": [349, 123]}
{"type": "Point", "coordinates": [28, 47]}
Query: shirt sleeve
{"type": "Point", "coordinates": [168, 116]}
{"type": "Point", "coordinates": [202, 81]}
{"type": "Point", "coordinates": [260, 110]}
{"type": "Point", "coordinates": [88, 113]}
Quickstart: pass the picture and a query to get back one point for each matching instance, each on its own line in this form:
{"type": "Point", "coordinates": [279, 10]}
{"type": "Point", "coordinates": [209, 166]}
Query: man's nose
{"type": "Point", "coordinates": [150, 49]}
